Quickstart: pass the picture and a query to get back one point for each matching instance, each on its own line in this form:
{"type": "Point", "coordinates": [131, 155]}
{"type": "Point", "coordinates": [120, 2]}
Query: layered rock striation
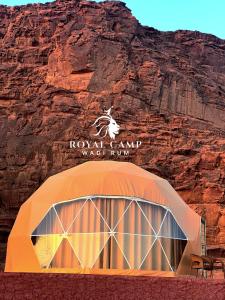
{"type": "Point", "coordinates": [63, 63]}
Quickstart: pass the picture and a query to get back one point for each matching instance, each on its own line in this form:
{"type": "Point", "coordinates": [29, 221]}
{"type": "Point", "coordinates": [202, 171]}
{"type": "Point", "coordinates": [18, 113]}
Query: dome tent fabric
{"type": "Point", "coordinates": [104, 217]}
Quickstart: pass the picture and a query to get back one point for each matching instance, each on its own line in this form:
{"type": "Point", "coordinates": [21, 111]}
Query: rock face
{"type": "Point", "coordinates": [63, 63]}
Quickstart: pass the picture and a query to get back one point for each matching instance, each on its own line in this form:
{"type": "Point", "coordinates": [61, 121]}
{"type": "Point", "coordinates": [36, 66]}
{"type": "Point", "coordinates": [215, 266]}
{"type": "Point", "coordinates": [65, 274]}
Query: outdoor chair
{"type": "Point", "coordinates": [218, 264]}
{"type": "Point", "coordinates": [203, 263]}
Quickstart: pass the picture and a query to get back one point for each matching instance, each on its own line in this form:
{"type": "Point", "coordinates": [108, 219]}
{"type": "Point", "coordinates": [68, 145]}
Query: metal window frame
{"type": "Point", "coordinates": [112, 231]}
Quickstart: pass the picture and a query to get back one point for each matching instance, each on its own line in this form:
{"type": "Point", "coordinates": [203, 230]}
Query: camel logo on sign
{"type": "Point", "coordinates": [106, 125]}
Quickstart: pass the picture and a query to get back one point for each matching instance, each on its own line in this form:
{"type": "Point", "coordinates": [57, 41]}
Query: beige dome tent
{"type": "Point", "coordinates": [104, 217]}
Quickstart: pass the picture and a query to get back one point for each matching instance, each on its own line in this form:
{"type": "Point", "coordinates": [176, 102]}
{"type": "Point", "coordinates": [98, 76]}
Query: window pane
{"type": "Point", "coordinates": [154, 214]}
{"type": "Point", "coordinates": [49, 225]}
{"type": "Point", "coordinates": [134, 221]}
{"type": "Point", "coordinates": [171, 229]}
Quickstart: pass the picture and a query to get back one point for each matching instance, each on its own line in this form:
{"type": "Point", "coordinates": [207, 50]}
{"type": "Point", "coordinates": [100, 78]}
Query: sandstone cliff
{"type": "Point", "coordinates": [62, 63]}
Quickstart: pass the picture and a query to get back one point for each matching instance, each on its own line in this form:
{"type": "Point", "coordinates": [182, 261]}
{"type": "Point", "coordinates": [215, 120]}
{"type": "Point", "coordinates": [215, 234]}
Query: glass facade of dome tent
{"type": "Point", "coordinates": [100, 232]}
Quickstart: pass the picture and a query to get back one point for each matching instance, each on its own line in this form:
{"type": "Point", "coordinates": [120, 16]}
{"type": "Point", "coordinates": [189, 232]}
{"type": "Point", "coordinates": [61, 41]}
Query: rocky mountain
{"type": "Point", "coordinates": [63, 63]}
